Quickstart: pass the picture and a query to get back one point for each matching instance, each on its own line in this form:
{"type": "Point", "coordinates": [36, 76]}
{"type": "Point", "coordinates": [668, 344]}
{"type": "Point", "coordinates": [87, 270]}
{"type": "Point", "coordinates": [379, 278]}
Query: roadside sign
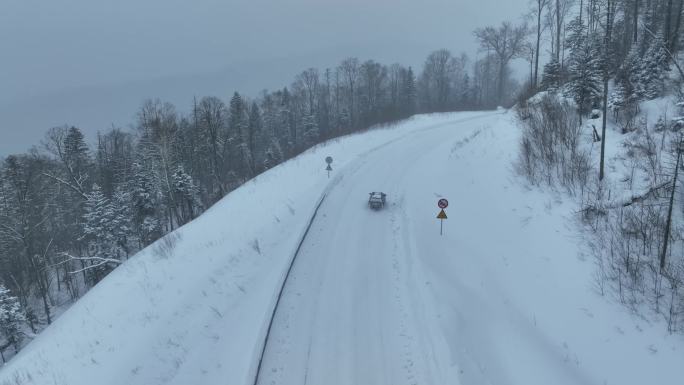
{"type": "Point", "coordinates": [442, 215]}
{"type": "Point", "coordinates": [443, 203]}
{"type": "Point", "coordinates": [328, 159]}
{"type": "Point", "coordinates": [329, 168]}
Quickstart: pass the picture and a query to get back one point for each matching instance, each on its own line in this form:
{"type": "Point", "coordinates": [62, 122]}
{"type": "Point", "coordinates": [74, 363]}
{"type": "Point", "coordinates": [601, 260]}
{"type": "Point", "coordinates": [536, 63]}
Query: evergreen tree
{"type": "Point", "coordinates": [236, 121]}
{"type": "Point", "coordinates": [584, 73]}
{"type": "Point", "coordinates": [11, 319]}
{"type": "Point", "coordinates": [187, 193]}
{"type": "Point", "coordinates": [310, 128]}
{"type": "Point", "coordinates": [122, 229]}
{"type": "Point", "coordinates": [238, 148]}
{"type": "Point", "coordinates": [257, 139]}
{"type": "Point", "coordinates": [410, 93]}
{"type": "Point", "coordinates": [145, 205]}
{"type": "Point", "coordinates": [100, 223]}
{"type": "Point", "coordinates": [76, 153]}
{"type": "Point", "coordinates": [551, 77]}
{"type": "Point", "coordinates": [654, 68]}
{"type": "Point", "coordinates": [629, 86]}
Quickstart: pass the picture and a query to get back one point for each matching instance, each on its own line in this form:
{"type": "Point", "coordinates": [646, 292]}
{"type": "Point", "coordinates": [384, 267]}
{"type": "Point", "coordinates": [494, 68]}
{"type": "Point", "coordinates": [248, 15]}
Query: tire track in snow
{"type": "Point", "coordinates": [403, 328]}
{"type": "Point", "coordinates": [282, 289]}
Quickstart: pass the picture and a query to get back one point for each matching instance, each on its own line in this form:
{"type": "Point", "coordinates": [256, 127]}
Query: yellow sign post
{"type": "Point", "coordinates": [441, 216]}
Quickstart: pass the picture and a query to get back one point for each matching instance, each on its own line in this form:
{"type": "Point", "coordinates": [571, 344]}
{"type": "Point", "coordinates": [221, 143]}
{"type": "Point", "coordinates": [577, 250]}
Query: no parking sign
{"type": "Point", "coordinates": [442, 204]}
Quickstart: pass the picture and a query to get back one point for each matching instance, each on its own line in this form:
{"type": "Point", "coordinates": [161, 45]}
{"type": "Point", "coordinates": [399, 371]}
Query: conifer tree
{"type": "Point", "coordinates": [187, 193]}
{"type": "Point", "coordinates": [11, 319]}
{"type": "Point", "coordinates": [410, 93]}
{"type": "Point", "coordinates": [551, 77]}
{"type": "Point", "coordinates": [654, 68]}
{"type": "Point", "coordinates": [584, 71]}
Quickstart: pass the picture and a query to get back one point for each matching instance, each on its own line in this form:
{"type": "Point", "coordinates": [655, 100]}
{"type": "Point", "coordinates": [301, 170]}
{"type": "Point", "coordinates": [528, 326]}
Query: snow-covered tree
{"type": "Point", "coordinates": [11, 319]}
{"type": "Point", "coordinates": [145, 204]}
{"type": "Point", "coordinates": [654, 67]}
{"type": "Point", "coordinates": [240, 156]}
{"type": "Point", "coordinates": [584, 73]}
{"type": "Point", "coordinates": [122, 228]}
{"type": "Point", "coordinates": [410, 92]}
{"type": "Point", "coordinates": [187, 194]}
{"type": "Point", "coordinates": [551, 77]}
{"type": "Point", "coordinates": [310, 128]}
{"type": "Point", "coordinates": [101, 230]}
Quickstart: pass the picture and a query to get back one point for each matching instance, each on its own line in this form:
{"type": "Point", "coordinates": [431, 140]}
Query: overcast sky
{"type": "Point", "coordinates": [91, 63]}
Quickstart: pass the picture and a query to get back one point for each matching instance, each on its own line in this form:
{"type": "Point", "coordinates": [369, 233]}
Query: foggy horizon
{"type": "Point", "coordinates": [91, 65]}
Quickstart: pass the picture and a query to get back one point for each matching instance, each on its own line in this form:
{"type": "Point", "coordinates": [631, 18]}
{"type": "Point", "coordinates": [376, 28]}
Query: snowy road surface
{"type": "Point", "coordinates": [505, 296]}
{"type": "Point", "coordinates": [382, 298]}
{"type": "Point", "coordinates": [351, 311]}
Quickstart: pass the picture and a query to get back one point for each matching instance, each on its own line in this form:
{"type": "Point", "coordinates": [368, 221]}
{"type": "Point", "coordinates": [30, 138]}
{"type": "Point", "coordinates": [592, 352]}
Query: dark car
{"type": "Point", "coordinates": [376, 201]}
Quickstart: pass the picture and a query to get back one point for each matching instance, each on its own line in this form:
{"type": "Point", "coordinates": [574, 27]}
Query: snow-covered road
{"type": "Point", "coordinates": [349, 309]}
{"type": "Point", "coordinates": [501, 298]}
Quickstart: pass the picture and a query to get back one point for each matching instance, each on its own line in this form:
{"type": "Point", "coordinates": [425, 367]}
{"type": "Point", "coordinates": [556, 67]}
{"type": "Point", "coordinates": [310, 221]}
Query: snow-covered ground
{"type": "Point", "coordinates": [503, 297]}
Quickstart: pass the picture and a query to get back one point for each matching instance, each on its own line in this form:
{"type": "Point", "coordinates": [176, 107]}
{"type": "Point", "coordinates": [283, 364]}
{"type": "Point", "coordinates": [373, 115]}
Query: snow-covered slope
{"type": "Point", "coordinates": [504, 297]}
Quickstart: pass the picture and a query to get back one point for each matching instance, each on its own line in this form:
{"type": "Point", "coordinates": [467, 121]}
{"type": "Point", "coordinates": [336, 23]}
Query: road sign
{"type": "Point", "coordinates": [329, 168]}
{"type": "Point", "coordinates": [443, 203]}
{"type": "Point", "coordinates": [442, 216]}
{"type": "Point", "coordinates": [328, 159]}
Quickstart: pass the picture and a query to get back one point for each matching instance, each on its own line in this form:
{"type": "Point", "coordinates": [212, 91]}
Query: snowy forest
{"type": "Point", "coordinates": [604, 125]}
{"type": "Point", "coordinates": [70, 213]}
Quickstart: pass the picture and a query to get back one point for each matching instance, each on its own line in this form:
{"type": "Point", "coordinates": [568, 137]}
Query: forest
{"type": "Point", "coordinates": [614, 82]}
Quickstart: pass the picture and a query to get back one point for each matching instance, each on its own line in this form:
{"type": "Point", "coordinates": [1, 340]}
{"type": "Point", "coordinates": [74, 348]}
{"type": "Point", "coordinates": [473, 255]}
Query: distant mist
{"type": "Point", "coordinates": [91, 64]}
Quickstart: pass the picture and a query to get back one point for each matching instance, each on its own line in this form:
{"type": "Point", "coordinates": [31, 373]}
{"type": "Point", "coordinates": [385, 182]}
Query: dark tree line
{"type": "Point", "coordinates": [70, 212]}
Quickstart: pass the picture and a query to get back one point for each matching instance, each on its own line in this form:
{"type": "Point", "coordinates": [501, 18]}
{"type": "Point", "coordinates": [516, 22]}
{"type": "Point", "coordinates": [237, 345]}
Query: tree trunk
{"type": "Point", "coordinates": [500, 87]}
{"type": "Point", "coordinates": [635, 21]}
{"type": "Point", "coordinates": [559, 26]}
{"type": "Point", "coordinates": [675, 32]}
{"type": "Point", "coordinates": [668, 22]}
{"type": "Point", "coordinates": [669, 210]}
{"type": "Point", "coordinates": [536, 52]}
{"type": "Point", "coordinates": [609, 26]}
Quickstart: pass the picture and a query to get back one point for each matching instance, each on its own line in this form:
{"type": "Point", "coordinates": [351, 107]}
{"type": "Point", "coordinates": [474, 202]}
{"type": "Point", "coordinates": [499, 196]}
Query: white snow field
{"type": "Point", "coordinates": [374, 297]}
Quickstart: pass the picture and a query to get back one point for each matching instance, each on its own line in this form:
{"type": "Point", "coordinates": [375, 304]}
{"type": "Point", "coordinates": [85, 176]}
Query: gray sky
{"type": "Point", "coordinates": [91, 63]}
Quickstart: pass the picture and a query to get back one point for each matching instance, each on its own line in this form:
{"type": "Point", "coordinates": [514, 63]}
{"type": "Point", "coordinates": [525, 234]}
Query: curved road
{"type": "Point", "coordinates": [350, 312]}
{"type": "Point", "coordinates": [381, 298]}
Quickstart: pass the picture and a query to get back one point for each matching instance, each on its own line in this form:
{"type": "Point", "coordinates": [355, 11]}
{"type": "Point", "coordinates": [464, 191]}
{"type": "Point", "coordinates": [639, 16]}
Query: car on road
{"type": "Point", "coordinates": [376, 201]}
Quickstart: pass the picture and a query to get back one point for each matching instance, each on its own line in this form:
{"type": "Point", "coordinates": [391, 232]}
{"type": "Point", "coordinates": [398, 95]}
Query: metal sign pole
{"type": "Point", "coordinates": [329, 161]}
{"type": "Point", "coordinates": [442, 204]}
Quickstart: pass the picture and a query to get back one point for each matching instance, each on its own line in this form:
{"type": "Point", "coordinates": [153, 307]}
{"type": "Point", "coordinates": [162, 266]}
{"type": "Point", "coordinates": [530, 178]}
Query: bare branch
{"type": "Point", "coordinates": [71, 186]}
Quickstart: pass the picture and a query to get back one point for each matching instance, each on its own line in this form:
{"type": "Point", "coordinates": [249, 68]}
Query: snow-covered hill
{"type": "Point", "coordinates": [503, 297]}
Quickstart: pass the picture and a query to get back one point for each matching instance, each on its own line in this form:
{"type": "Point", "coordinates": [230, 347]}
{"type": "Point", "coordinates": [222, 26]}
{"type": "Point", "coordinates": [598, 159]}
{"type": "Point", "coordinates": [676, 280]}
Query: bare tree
{"type": "Point", "coordinates": [611, 7]}
{"type": "Point", "coordinates": [540, 6]}
{"type": "Point", "coordinates": [350, 73]}
{"type": "Point", "coordinates": [507, 42]}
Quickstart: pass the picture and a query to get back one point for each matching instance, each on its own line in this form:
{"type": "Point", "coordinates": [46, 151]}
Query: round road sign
{"type": "Point", "coordinates": [328, 159]}
{"type": "Point", "coordinates": [443, 203]}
